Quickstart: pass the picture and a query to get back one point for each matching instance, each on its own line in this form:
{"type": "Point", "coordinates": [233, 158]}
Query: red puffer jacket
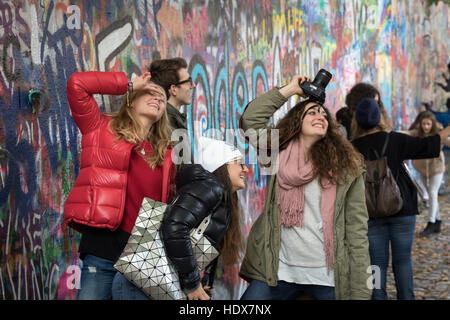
{"type": "Point", "coordinates": [98, 196]}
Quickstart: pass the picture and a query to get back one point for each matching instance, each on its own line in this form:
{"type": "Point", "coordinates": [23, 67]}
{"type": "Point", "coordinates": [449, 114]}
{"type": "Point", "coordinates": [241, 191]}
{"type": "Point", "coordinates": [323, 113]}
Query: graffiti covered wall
{"type": "Point", "coordinates": [236, 50]}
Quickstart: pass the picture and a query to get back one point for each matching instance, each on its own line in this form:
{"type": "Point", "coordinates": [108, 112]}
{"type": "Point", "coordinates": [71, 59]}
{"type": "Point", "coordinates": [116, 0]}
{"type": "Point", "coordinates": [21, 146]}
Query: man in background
{"type": "Point", "coordinates": [173, 76]}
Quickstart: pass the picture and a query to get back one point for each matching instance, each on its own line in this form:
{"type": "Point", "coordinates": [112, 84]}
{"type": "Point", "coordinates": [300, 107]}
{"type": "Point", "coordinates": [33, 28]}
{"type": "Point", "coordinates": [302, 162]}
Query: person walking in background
{"type": "Point", "coordinates": [312, 234]}
{"type": "Point", "coordinates": [444, 119]}
{"type": "Point", "coordinates": [431, 170]}
{"type": "Point", "coordinates": [125, 157]}
{"type": "Point", "coordinates": [397, 230]}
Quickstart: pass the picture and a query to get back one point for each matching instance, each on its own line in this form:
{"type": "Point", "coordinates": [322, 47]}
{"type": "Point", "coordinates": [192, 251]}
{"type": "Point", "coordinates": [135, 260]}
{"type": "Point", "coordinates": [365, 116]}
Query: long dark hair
{"type": "Point", "coordinates": [232, 242]}
{"type": "Point", "coordinates": [332, 156]}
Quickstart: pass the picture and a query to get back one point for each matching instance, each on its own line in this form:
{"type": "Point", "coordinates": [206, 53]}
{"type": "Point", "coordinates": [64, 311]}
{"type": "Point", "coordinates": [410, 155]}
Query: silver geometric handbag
{"type": "Point", "coordinates": [144, 261]}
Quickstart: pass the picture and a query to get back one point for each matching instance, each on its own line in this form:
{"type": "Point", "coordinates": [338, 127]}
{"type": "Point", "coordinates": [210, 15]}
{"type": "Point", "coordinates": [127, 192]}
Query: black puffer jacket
{"type": "Point", "coordinates": [199, 193]}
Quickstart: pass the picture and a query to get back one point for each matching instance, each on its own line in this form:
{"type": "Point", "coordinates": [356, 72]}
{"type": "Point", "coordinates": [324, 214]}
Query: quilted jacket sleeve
{"type": "Point", "coordinates": [81, 87]}
{"type": "Point", "coordinates": [195, 201]}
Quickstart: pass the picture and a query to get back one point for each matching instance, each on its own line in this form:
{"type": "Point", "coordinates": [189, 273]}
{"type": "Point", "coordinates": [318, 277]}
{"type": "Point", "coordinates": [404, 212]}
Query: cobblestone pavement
{"type": "Point", "coordinates": [430, 256]}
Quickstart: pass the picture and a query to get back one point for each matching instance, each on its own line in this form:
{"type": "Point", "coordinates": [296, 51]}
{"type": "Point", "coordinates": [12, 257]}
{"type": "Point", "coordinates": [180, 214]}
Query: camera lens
{"type": "Point", "coordinates": [316, 89]}
{"type": "Point", "coordinates": [322, 78]}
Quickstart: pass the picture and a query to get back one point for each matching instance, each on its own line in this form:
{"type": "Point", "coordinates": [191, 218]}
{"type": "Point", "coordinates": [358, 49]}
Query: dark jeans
{"type": "Point", "coordinates": [259, 290]}
{"type": "Point", "coordinates": [399, 233]}
{"type": "Point", "coordinates": [97, 276]}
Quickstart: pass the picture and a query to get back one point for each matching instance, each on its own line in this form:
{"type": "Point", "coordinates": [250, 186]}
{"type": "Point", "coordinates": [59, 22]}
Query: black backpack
{"type": "Point", "coordinates": [383, 197]}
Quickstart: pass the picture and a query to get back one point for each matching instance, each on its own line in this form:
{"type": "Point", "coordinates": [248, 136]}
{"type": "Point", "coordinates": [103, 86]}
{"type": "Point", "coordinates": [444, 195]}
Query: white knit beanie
{"type": "Point", "coordinates": [214, 153]}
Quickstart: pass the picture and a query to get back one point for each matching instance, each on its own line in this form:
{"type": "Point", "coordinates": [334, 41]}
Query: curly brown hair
{"type": "Point", "coordinates": [333, 156]}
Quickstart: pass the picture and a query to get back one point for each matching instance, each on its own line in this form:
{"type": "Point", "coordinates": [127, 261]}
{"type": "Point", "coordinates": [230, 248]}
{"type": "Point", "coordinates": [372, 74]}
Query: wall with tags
{"type": "Point", "coordinates": [236, 50]}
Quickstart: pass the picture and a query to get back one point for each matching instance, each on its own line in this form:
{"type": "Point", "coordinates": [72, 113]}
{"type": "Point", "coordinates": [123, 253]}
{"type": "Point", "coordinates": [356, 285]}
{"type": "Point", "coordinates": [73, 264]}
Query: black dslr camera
{"type": "Point", "coordinates": [316, 89]}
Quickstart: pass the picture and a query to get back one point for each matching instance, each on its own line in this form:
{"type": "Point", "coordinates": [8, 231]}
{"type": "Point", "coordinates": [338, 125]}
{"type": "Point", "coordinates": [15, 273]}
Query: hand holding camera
{"type": "Point", "coordinates": [293, 87]}
{"type": "Point", "coordinates": [316, 90]}
{"type": "Point", "coordinates": [304, 87]}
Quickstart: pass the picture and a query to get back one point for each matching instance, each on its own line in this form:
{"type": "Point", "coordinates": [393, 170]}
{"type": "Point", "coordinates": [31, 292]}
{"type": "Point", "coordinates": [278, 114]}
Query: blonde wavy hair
{"type": "Point", "coordinates": [127, 127]}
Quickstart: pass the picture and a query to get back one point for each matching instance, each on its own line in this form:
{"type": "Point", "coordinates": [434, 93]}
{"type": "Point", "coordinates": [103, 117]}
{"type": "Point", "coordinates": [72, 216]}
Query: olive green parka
{"type": "Point", "coordinates": [352, 270]}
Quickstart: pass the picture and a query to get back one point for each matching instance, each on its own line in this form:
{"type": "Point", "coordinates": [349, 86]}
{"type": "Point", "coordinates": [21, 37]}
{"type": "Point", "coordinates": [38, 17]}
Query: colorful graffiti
{"type": "Point", "coordinates": [236, 50]}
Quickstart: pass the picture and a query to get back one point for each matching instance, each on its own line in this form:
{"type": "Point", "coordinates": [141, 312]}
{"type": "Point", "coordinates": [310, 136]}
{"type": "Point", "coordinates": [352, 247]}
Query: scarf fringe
{"type": "Point", "coordinates": [291, 205]}
{"type": "Point", "coordinates": [327, 227]}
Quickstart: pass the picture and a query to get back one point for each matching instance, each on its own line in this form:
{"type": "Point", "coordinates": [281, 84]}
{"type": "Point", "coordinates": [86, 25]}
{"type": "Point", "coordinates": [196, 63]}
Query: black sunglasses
{"type": "Point", "coordinates": [185, 81]}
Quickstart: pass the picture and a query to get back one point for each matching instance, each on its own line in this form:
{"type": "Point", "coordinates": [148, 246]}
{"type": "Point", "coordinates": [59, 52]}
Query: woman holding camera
{"type": "Point", "coordinates": [431, 170]}
{"type": "Point", "coordinates": [312, 234]}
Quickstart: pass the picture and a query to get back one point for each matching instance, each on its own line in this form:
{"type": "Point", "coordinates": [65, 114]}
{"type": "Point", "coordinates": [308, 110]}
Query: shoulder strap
{"type": "Point", "coordinates": [375, 153]}
{"type": "Point", "coordinates": [383, 151]}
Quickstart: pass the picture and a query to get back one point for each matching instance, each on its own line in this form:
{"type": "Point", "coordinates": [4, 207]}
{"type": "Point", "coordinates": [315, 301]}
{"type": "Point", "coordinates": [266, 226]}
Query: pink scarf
{"type": "Point", "coordinates": [292, 176]}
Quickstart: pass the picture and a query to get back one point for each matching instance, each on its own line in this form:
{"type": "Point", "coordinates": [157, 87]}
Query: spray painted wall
{"type": "Point", "coordinates": [236, 50]}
